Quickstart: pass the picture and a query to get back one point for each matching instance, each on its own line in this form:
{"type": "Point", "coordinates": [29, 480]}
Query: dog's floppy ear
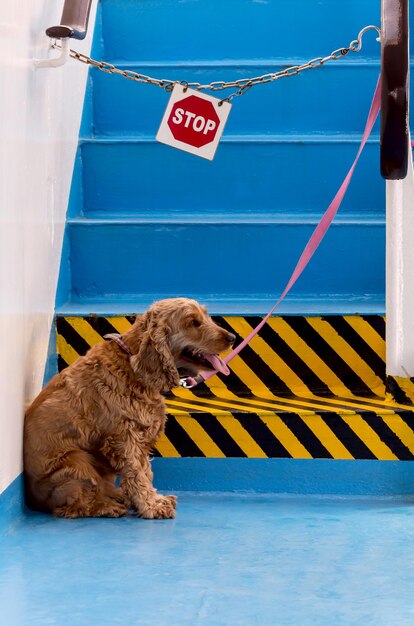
{"type": "Point", "coordinates": [154, 363]}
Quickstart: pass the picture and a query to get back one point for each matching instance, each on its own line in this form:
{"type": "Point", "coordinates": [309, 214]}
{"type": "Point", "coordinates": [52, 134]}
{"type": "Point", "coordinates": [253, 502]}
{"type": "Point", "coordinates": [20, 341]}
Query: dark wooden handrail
{"type": "Point", "coordinates": [395, 68]}
{"type": "Point", "coordinates": [74, 20]}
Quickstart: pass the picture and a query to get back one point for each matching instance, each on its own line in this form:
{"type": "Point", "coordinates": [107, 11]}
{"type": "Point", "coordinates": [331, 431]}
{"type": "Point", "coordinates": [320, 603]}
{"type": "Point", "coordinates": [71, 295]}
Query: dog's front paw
{"type": "Point", "coordinates": [161, 507]}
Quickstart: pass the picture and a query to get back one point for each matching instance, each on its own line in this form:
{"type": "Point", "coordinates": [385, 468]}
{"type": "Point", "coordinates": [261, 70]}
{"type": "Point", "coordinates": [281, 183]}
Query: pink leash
{"type": "Point", "coordinates": [315, 239]}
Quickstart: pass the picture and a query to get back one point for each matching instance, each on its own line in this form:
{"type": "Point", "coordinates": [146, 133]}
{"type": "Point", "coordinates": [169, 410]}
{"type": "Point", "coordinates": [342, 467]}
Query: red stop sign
{"type": "Point", "coordinates": [194, 121]}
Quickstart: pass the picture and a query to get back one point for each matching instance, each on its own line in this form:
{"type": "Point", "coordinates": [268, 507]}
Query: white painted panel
{"type": "Point", "coordinates": [400, 274]}
{"type": "Point", "coordinates": [40, 112]}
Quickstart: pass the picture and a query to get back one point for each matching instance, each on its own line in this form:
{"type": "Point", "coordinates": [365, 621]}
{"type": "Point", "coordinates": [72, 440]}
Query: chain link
{"type": "Point", "coordinates": [242, 85]}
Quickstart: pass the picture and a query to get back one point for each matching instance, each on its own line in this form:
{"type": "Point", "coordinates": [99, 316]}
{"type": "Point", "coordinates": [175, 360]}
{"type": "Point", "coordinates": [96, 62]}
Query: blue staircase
{"type": "Point", "coordinates": [146, 221]}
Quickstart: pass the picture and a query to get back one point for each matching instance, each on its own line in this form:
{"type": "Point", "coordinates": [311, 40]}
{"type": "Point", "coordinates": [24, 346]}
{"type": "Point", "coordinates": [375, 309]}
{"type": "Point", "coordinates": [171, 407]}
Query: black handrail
{"type": "Point", "coordinates": [74, 20]}
{"type": "Point", "coordinates": [395, 68]}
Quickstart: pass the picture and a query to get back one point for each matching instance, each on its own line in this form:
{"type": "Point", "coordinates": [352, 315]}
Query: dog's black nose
{"type": "Point", "coordinates": [231, 338]}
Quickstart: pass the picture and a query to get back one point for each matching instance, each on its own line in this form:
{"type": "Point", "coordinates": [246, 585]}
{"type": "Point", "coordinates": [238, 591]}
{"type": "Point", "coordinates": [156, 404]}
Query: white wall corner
{"type": "Point", "coordinates": [400, 274]}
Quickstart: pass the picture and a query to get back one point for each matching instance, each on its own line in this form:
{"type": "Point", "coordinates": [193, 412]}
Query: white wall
{"type": "Point", "coordinates": [40, 111]}
{"type": "Point", "coordinates": [400, 273]}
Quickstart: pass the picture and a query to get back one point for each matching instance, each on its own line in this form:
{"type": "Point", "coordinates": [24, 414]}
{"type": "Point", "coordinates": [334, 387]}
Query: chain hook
{"type": "Point", "coordinates": [356, 45]}
{"type": "Point", "coordinates": [55, 61]}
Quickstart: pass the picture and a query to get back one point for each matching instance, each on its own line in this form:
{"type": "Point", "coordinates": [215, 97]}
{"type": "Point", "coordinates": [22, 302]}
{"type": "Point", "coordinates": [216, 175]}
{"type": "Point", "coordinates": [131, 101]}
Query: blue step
{"type": "Point", "coordinates": [129, 260]}
{"type": "Point", "coordinates": [333, 100]}
{"type": "Point", "coordinates": [236, 29]}
{"type": "Point", "coordinates": [250, 176]}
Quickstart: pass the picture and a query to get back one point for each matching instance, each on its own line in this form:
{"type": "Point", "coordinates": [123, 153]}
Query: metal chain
{"type": "Point", "coordinates": [242, 85]}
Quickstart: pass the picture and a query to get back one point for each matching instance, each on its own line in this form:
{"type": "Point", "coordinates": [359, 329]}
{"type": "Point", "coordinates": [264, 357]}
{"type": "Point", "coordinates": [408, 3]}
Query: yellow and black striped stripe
{"type": "Point", "coordinates": [305, 387]}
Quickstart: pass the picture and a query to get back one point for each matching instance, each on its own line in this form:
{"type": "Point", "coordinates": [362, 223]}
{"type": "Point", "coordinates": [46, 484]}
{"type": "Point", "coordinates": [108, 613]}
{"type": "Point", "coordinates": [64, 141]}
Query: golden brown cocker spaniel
{"type": "Point", "coordinates": [102, 415]}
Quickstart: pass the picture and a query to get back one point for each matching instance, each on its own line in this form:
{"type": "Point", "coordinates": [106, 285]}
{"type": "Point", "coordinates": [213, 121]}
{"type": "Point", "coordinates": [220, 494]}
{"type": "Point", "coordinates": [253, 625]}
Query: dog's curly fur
{"type": "Point", "coordinates": [101, 416]}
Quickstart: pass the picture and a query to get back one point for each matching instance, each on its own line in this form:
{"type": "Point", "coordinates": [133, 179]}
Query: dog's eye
{"type": "Point", "coordinates": [195, 323]}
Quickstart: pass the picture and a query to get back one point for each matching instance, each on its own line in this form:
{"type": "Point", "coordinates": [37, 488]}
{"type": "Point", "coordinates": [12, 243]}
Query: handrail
{"type": "Point", "coordinates": [74, 20]}
{"type": "Point", "coordinates": [395, 84]}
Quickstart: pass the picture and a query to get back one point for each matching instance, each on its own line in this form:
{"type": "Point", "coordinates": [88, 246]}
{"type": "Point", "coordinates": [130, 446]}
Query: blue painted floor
{"type": "Point", "coordinates": [226, 559]}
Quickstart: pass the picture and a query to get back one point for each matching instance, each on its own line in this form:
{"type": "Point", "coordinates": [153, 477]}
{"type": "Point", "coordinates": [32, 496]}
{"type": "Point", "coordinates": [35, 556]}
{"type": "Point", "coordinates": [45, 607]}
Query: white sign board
{"type": "Point", "coordinates": [193, 122]}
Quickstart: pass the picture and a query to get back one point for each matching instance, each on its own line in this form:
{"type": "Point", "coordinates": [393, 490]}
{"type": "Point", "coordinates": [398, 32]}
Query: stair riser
{"type": "Point", "coordinates": [251, 178]}
{"type": "Point", "coordinates": [230, 260]}
{"type": "Point", "coordinates": [315, 102]}
{"type": "Point", "coordinates": [304, 388]}
{"type": "Point", "coordinates": [236, 29]}
{"type": "Point", "coordinates": [287, 476]}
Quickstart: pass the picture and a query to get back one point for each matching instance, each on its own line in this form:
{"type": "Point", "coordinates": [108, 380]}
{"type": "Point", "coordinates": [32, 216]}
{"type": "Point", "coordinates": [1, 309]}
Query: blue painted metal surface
{"type": "Point", "coordinates": [167, 259]}
{"type": "Point", "coordinates": [236, 29]}
{"type": "Point", "coordinates": [285, 151]}
{"type": "Point", "coordinates": [295, 476]}
{"type": "Point", "coordinates": [261, 176]}
{"type": "Point", "coordinates": [11, 510]}
{"type": "Point", "coordinates": [259, 304]}
{"type": "Point", "coordinates": [227, 560]}
{"type": "Point", "coordinates": [315, 102]}
{"type": "Point", "coordinates": [51, 360]}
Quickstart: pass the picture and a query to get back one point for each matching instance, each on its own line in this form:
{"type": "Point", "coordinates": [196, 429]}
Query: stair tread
{"type": "Point", "coordinates": [276, 62]}
{"type": "Point", "coordinates": [310, 138]}
{"type": "Point", "coordinates": [243, 304]}
{"type": "Point", "coordinates": [114, 218]}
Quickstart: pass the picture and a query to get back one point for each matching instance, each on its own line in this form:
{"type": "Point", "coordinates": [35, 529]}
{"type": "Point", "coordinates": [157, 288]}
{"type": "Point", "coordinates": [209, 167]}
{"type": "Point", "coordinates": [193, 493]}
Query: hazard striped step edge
{"type": "Point", "coordinates": [305, 387]}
